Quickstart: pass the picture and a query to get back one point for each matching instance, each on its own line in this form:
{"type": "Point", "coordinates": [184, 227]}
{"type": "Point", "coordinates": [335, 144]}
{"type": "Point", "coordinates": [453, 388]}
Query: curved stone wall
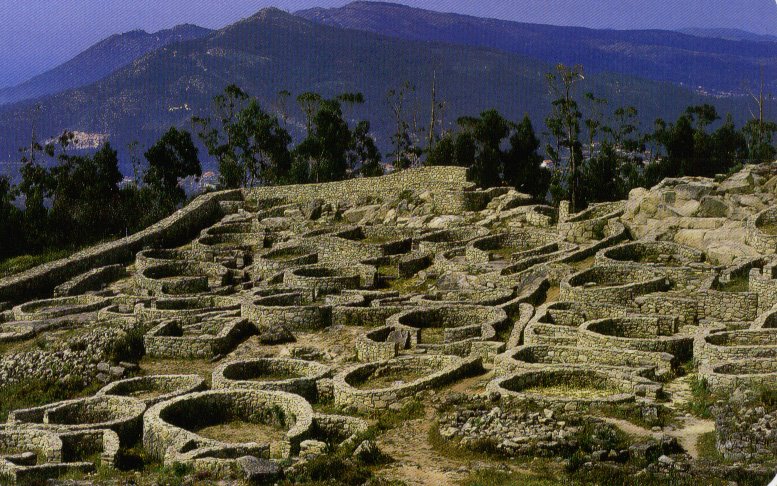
{"type": "Point", "coordinates": [275, 374]}
{"type": "Point", "coordinates": [437, 371]}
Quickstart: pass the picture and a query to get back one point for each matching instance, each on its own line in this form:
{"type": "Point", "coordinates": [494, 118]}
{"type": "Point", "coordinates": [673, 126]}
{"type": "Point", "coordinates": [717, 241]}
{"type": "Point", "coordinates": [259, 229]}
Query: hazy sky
{"type": "Point", "coordinates": [36, 35]}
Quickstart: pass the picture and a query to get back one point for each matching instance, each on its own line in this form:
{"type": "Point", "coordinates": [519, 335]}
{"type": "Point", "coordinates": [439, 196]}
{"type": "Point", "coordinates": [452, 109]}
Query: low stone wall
{"type": "Point", "coordinates": [682, 265]}
{"type": "Point", "coordinates": [275, 374]}
{"type": "Point", "coordinates": [281, 258]}
{"type": "Point", "coordinates": [170, 340]}
{"type": "Point", "coordinates": [757, 238]}
{"type": "Point", "coordinates": [727, 306]}
{"type": "Point", "coordinates": [719, 347]}
{"type": "Point", "coordinates": [181, 278]}
{"type": "Point", "coordinates": [169, 427]}
{"type": "Point", "coordinates": [589, 225]}
{"type": "Point", "coordinates": [184, 307]}
{"type": "Point", "coordinates": [449, 182]}
{"type": "Point", "coordinates": [40, 310]}
{"type": "Point", "coordinates": [613, 285]}
{"type": "Point", "coordinates": [171, 231]}
{"type": "Point", "coordinates": [749, 374]}
{"type": "Point", "coordinates": [156, 388]}
{"type": "Point", "coordinates": [673, 304]}
{"type": "Point", "coordinates": [92, 280]}
{"type": "Point", "coordinates": [440, 371]}
{"type": "Point", "coordinates": [526, 386]}
{"type": "Point", "coordinates": [50, 455]}
{"type": "Point", "coordinates": [525, 243]}
{"type": "Point", "coordinates": [448, 239]}
{"type": "Point", "coordinates": [660, 365]}
{"type": "Point", "coordinates": [763, 282]}
{"type": "Point", "coordinates": [122, 415]}
{"type": "Point", "coordinates": [460, 325]}
{"type": "Point", "coordinates": [286, 310]}
{"type": "Point", "coordinates": [640, 333]}
{"type": "Point", "coordinates": [322, 280]}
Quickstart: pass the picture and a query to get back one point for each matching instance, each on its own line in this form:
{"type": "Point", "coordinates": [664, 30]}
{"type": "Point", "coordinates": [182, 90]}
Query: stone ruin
{"type": "Point", "coordinates": [272, 322]}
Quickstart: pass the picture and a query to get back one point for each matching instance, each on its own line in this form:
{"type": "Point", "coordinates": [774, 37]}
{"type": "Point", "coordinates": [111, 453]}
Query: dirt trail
{"type": "Point", "coordinates": [416, 462]}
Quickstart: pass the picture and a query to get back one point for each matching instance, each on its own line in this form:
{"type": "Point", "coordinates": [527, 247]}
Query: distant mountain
{"type": "Point", "coordinates": [714, 64]}
{"type": "Point", "coordinates": [274, 50]}
{"type": "Point", "coordinates": [729, 34]}
{"type": "Point", "coordinates": [99, 61]}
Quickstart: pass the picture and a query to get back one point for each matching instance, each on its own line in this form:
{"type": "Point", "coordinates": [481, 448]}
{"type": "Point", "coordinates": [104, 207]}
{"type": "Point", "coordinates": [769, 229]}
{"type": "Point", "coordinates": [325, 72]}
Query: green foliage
{"type": "Point", "coordinates": [34, 392]}
{"type": "Point", "coordinates": [522, 167]}
{"type": "Point", "coordinates": [128, 347]}
{"type": "Point", "coordinates": [702, 398]}
{"type": "Point", "coordinates": [497, 477]}
{"type": "Point", "coordinates": [170, 159]}
{"type": "Point", "coordinates": [22, 263]}
{"type": "Point", "coordinates": [250, 145]}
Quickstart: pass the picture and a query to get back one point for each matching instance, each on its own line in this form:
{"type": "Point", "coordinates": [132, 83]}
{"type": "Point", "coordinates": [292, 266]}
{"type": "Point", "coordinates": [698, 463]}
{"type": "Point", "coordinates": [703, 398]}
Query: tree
{"type": "Point", "coordinates": [219, 136]}
{"type": "Point", "coordinates": [249, 143]}
{"type": "Point", "coordinates": [12, 240]}
{"type": "Point", "coordinates": [523, 164]}
{"type": "Point", "coordinates": [327, 146]}
{"type": "Point", "coordinates": [309, 104]}
{"type": "Point", "coordinates": [85, 200]}
{"type": "Point", "coordinates": [364, 153]}
{"type": "Point", "coordinates": [488, 131]}
{"type": "Point", "coordinates": [171, 158]}
{"type": "Point", "coordinates": [405, 153]}
{"type": "Point", "coordinates": [263, 147]}
{"type": "Point", "coordinates": [601, 178]}
{"type": "Point", "coordinates": [564, 124]}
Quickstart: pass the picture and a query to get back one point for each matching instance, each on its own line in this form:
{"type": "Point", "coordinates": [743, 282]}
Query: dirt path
{"type": "Point", "coordinates": [416, 462]}
{"type": "Point", "coordinates": [687, 434]}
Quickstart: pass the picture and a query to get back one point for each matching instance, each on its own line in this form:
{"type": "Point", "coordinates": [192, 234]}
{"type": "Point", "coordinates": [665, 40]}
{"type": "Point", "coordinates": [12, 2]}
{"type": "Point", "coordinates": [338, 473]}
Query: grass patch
{"type": "Point", "coordinates": [390, 378]}
{"type": "Point", "coordinates": [496, 477]}
{"type": "Point", "coordinates": [571, 391]}
{"type": "Point", "coordinates": [707, 448]}
{"type": "Point", "coordinates": [634, 414]}
{"type": "Point", "coordinates": [340, 468]}
{"type": "Point", "coordinates": [34, 392]}
{"type": "Point", "coordinates": [19, 264]}
{"type": "Point", "coordinates": [737, 284]}
{"type": "Point", "coordinates": [241, 432]}
{"type": "Point", "coordinates": [702, 398]}
{"type": "Point", "coordinates": [155, 366]}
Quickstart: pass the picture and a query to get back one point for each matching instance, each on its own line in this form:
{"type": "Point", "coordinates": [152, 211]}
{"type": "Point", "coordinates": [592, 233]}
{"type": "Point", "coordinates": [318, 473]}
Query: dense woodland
{"type": "Point", "coordinates": [593, 152]}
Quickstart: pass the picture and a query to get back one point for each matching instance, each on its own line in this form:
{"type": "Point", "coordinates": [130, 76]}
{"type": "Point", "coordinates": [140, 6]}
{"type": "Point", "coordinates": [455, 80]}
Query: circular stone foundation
{"type": "Point", "coordinates": [227, 424]}
{"type": "Point", "coordinates": [375, 386]}
{"type": "Point", "coordinates": [276, 374]}
{"type": "Point", "coordinates": [438, 329]}
{"type": "Point", "coordinates": [737, 345]}
{"type": "Point", "coordinates": [154, 389]}
{"type": "Point", "coordinates": [568, 388]}
{"type": "Point", "coordinates": [611, 285]}
{"type": "Point", "coordinates": [39, 310]}
{"type": "Point", "coordinates": [322, 280]}
{"type": "Point", "coordinates": [640, 333]}
{"type": "Point", "coordinates": [123, 415]}
{"type": "Point", "coordinates": [750, 374]}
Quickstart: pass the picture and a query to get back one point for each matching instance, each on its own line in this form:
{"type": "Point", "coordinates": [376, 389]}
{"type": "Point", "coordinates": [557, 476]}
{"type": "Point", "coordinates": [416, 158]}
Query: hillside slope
{"type": "Point", "coordinates": [98, 61]}
{"type": "Point", "coordinates": [274, 50]}
{"type": "Point", "coordinates": [714, 64]}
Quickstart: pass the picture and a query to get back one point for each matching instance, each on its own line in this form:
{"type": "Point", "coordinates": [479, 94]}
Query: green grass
{"type": "Point", "coordinates": [737, 284]}
{"type": "Point", "coordinates": [707, 449]}
{"type": "Point", "coordinates": [19, 264]}
{"type": "Point", "coordinates": [32, 393]}
{"type": "Point", "coordinates": [496, 477]}
{"type": "Point", "coordinates": [702, 398]}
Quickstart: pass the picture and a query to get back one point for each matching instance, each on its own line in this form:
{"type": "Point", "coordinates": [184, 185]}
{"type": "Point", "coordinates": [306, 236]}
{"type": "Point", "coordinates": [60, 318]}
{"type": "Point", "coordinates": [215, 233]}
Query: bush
{"type": "Point", "coordinates": [128, 347]}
